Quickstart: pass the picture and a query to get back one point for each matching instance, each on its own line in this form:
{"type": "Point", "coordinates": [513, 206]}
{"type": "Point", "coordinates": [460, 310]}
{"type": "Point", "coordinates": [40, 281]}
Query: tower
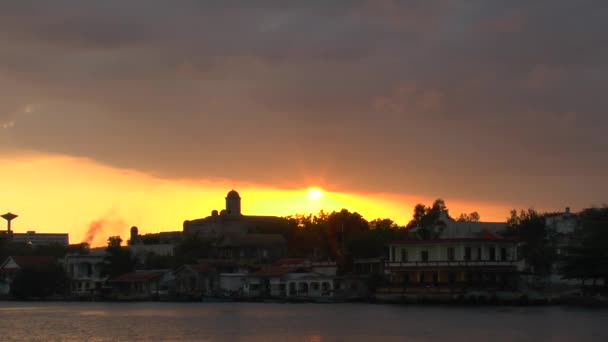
{"type": "Point", "coordinates": [9, 217]}
{"type": "Point", "coordinates": [134, 236]}
{"type": "Point", "coordinates": [233, 203]}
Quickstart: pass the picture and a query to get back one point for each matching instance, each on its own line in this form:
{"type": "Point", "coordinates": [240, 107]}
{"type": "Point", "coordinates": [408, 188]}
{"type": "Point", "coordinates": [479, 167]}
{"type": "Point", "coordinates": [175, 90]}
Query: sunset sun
{"type": "Point", "coordinates": [315, 193]}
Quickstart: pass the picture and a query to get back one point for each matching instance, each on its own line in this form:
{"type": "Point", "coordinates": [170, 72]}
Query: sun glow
{"type": "Point", "coordinates": [122, 198]}
{"type": "Point", "coordinates": [315, 193]}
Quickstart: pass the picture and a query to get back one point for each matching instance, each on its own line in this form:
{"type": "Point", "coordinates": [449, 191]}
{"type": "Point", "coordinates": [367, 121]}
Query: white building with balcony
{"type": "Point", "coordinates": [84, 271]}
{"type": "Point", "coordinates": [470, 258]}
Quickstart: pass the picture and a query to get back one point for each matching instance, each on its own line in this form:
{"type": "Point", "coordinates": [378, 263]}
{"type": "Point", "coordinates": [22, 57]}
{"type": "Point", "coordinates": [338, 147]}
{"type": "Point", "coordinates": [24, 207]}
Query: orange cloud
{"type": "Point", "coordinates": [54, 193]}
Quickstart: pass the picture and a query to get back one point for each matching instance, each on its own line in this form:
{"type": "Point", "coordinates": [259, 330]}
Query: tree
{"type": "Point", "coordinates": [587, 255]}
{"type": "Point", "coordinates": [192, 247]}
{"type": "Point", "coordinates": [383, 224]}
{"type": "Point", "coordinates": [118, 260]}
{"type": "Point", "coordinates": [537, 244]}
{"type": "Point", "coordinates": [472, 217]}
{"type": "Point", "coordinates": [114, 242]}
{"type": "Point", "coordinates": [429, 221]}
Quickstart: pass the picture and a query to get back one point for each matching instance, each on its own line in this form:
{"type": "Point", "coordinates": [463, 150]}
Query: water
{"type": "Point", "coordinates": [294, 322]}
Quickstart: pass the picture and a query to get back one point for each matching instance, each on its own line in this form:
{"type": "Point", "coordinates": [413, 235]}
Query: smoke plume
{"type": "Point", "coordinates": [111, 226]}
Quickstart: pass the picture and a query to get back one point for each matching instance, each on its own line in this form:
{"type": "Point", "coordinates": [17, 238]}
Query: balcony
{"type": "Point", "coordinates": [445, 263]}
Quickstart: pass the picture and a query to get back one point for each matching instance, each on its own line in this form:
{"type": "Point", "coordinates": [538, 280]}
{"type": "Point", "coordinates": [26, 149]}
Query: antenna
{"type": "Point", "coordinates": [9, 217]}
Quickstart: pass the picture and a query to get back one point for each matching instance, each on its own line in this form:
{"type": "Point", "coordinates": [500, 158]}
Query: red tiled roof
{"type": "Point", "coordinates": [138, 276]}
{"type": "Point", "coordinates": [33, 261]}
{"type": "Point", "coordinates": [490, 235]}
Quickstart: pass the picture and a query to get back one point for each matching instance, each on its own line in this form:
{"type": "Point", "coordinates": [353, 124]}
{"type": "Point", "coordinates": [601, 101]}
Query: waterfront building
{"type": "Point", "coordinates": [467, 255]}
{"type": "Point", "coordinates": [13, 264]}
{"type": "Point", "coordinates": [195, 281]}
{"type": "Point", "coordinates": [142, 284]}
{"type": "Point", "coordinates": [84, 272]}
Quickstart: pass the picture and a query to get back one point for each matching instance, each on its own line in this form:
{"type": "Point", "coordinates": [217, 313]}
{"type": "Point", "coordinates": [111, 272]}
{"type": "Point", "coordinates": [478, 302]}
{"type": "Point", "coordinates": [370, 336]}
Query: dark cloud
{"type": "Point", "coordinates": [485, 100]}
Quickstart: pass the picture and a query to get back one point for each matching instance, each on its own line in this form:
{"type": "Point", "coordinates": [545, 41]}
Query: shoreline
{"type": "Point", "coordinates": [471, 301]}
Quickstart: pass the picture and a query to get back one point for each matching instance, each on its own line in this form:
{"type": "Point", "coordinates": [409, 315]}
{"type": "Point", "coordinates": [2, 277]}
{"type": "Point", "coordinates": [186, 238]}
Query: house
{"type": "Point", "coordinates": [269, 281]}
{"type": "Point", "coordinates": [84, 271]}
{"type": "Point", "coordinates": [309, 286]}
{"type": "Point", "coordinates": [13, 264]}
{"type": "Point", "coordinates": [231, 284]}
{"type": "Point", "coordinates": [472, 257]}
{"type": "Point", "coordinates": [142, 284]}
{"type": "Point", "coordinates": [195, 281]}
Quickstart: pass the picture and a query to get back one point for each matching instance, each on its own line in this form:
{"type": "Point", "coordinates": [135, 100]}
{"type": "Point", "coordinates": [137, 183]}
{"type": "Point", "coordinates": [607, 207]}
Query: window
{"type": "Point", "coordinates": [478, 253]}
{"type": "Point", "coordinates": [451, 278]}
{"type": "Point", "coordinates": [393, 253]}
{"type": "Point", "coordinates": [503, 254]}
{"type": "Point", "coordinates": [467, 253]}
{"type": "Point", "coordinates": [450, 253]}
{"type": "Point", "coordinates": [424, 255]}
{"type": "Point", "coordinates": [492, 253]}
{"type": "Point", "coordinates": [403, 255]}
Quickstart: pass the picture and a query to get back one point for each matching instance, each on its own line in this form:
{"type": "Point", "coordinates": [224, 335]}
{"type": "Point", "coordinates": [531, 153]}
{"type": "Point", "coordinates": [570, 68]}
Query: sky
{"type": "Point", "coordinates": [147, 112]}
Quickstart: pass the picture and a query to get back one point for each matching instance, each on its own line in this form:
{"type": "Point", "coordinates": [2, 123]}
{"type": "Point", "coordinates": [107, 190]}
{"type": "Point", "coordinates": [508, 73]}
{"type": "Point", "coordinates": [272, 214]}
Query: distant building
{"type": "Point", "coordinates": [236, 236]}
{"type": "Point", "coordinates": [141, 250]}
{"type": "Point", "coordinates": [39, 239]}
{"type": "Point", "coordinates": [562, 223]}
{"type": "Point", "coordinates": [560, 228]}
{"type": "Point", "coordinates": [259, 248]}
{"type": "Point", "coordinates": [229, 220]}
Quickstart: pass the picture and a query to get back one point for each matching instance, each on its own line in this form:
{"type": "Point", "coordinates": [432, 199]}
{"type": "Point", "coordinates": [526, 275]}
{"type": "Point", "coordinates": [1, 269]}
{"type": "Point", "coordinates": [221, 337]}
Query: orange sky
{"type": "Point", "coordinates": [54, 193]}
{"type": "Point", "coordinates": [149, 117]}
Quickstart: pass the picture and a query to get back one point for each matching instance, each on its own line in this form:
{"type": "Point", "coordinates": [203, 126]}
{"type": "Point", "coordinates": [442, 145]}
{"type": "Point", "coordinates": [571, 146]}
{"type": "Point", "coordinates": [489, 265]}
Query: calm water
{"type": "Point", "coordinates": [294, 322]}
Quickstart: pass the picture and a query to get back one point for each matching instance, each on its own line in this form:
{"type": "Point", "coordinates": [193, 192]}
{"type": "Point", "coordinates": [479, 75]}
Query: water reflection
{"type": "Point", "coordinates": [294, 322]}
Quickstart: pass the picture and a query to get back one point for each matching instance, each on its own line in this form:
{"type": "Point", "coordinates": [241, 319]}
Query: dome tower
{"type": "Point", "coordinates": [233, 203]}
